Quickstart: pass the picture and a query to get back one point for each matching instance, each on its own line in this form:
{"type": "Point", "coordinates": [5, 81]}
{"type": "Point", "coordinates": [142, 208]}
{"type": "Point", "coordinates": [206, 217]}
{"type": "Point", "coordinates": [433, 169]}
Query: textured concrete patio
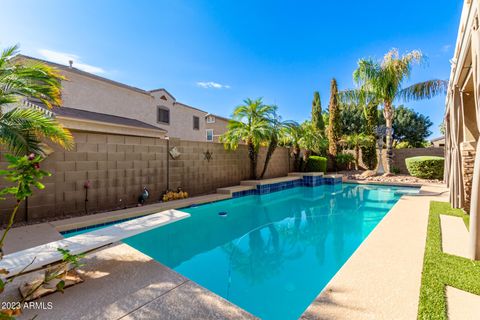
{"type": "Point", "coordinates": [122, 283]}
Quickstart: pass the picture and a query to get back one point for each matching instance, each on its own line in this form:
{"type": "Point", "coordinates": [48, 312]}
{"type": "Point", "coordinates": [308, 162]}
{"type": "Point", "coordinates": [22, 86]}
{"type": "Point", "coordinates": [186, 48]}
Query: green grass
{"type": "Point", "coordinates": [441, 269]}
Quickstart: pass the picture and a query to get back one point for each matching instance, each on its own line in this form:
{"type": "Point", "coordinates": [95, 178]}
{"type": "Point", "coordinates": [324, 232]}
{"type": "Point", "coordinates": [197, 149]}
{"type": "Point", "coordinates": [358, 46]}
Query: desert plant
{"type": "Point", "coordinates": [426, 167]}
{"type": "Point", "coordinates": [316, 164]}
{"type": "Point", "coordinates": [22, 130]}
{"type": "Point", "coordinates": [250, 124]}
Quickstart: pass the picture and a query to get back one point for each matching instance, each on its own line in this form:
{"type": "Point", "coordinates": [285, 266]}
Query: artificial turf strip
{"type": "Point", "coordinates": [441, 269]}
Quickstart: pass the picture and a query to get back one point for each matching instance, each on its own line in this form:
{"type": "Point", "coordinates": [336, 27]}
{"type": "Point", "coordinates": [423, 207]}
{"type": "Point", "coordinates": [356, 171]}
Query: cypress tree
{"type": "Point", "coordinates": [317, 117]}
{"type": "Point", "coordinates": [334, 129]}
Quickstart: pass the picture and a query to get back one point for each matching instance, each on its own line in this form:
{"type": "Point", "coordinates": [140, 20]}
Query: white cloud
{"type": "Point", "coordinates": [64, 58]}
{"type": "Point", "coordinates": [212, 85]}
{"type": "Point", "coordinates": [446, 48]}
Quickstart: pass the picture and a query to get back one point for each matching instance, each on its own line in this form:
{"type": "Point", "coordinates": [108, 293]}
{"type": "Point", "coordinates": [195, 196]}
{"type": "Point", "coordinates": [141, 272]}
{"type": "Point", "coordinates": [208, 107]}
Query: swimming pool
{"type": "Point", "coordinates": [271, 254]}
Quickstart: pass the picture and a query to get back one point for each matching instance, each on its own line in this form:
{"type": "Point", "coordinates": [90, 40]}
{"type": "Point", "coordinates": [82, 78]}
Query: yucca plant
{"type": "Point", "coordinates": [23, 129]}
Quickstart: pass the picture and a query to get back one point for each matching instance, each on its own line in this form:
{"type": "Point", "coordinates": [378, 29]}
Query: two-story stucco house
{"type": "Point", "coordinates": [158, 108]}
{"type": "Point", "coordinates": [215, 126]}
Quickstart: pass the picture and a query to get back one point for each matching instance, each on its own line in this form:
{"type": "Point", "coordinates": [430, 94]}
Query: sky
{"type": "Point", "coordinates": [212, 54]}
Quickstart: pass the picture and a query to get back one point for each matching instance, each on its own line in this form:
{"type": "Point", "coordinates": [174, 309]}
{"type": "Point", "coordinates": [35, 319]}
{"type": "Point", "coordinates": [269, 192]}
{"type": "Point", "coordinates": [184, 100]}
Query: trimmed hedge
{"type": "Point", "coordinates": [316, 164]}
{"type": "Point", "coordinates": [426, 167]}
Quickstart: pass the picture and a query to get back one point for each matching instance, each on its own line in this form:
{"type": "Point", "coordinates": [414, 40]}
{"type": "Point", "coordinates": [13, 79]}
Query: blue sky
{"type": "Point", "coordinates": [213, 54]}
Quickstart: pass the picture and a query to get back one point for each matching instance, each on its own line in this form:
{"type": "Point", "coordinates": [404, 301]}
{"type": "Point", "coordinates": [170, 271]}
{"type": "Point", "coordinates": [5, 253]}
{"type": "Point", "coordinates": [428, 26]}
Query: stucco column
{"type": "Point", "coordinates": [474, 248]}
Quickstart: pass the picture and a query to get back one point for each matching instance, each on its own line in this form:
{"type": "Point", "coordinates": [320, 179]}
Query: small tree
{"type": "Point", "coordinates": [24, 172]}
{"type": "Point", "coordinates": [334, 129]}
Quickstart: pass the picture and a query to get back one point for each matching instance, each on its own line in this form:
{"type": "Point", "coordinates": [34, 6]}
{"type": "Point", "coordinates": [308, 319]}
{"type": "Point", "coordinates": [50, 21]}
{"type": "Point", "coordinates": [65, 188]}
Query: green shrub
{"type": "Point", "coordinates": [345, 160]}
{"type": "Point", "coordinates": [316, 164]}
{"type": "Point", "coordinates": [395, 170]}
{"type": "Point", "coordinates": [426, 167]}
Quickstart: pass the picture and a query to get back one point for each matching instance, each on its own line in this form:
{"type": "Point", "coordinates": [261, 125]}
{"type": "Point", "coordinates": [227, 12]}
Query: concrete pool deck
{"type": "Point", "coordinates": [381, 280]}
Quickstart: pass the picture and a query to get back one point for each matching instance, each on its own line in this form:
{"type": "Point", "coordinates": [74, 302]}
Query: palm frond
{"type": "Point", "coordinates": [22, 130]}
{"type": "Point", "coordinates": [423, 90]}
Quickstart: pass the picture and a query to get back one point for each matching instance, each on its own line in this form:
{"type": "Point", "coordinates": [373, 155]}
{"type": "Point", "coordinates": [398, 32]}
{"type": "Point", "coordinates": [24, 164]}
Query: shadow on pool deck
{"type": "Point", "coordinates": [122, 283]}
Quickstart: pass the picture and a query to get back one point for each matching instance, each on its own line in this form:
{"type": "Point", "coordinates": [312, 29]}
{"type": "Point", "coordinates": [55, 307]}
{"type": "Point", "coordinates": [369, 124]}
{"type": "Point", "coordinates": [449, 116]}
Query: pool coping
{"type": "Point", "coordinates": [336, 302]}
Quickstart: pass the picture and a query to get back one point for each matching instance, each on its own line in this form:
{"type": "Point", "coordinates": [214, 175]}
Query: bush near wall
{"type": "Point", "coordinates": [345, 161]}
{"type": "Point", "coordinates": [426, 167]}
{"type": "Point", "coordinates": [316, 164]}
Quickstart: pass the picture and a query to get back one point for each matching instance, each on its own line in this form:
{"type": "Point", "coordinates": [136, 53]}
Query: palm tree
{"type": "Point", "coordinates": [385, 79]}
{"type": "Point", "coordinates": [292, 137]}
{"type": "Point", "coordinates": [249, 124]}
{"type": "Point", "coordinates": [277, 130]}
{"type": "Point", "coordinates": [357, 140]}
{"type": "Point", "coordinates": [304, 136]}
{"type": "Point", "coordinates": [22, 129]}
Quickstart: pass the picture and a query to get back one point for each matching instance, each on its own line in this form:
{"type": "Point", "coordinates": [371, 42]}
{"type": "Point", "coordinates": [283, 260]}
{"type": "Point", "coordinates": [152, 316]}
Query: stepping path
{"type": "Point", "coordinates": [454, 236]}
{"type": "Point", "coordinates": [462, 305]}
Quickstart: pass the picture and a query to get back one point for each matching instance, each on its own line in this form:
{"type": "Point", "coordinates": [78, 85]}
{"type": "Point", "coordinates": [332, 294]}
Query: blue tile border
{"type": "Point", "coordinates": [305, 181]}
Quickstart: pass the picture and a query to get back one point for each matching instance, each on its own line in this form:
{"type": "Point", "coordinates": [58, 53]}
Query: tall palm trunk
{"type": "Point", "coordinates": [253, 156]}
{"type": "Point", "coordinates": [306, 154]}
{"type": "Point", "coordinates": [296, 158]}
{"type": "Point", "coordinates": [388, 114]}
{"type": "Point", "coordinates": [272, 145]}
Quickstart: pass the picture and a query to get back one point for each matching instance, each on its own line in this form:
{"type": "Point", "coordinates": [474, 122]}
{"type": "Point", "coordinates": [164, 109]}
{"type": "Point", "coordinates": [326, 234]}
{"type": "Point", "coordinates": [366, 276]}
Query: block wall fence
{"type": "Point", "coordinates": [119, 166]}
{"type": "Point", "coordinates": [399, 156]}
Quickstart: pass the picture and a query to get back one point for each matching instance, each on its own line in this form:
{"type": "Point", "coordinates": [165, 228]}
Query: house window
{"type": "Point", "coordinates": [196, 123]}
{"type": "Point", "coordinates": [163, 115]}
{"type": "Point", "coordinates": [210, 119]}
{"type": "Point", "coordinates": [209, 134]}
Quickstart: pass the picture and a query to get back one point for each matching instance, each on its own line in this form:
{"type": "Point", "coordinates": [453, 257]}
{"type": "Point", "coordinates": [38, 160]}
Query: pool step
{"type": "Point", "coordinates": [268, 181]}
{"type": "Point", "coordinates": [305, 174]}
{"type": "Point", "coordinates": [231, 190]}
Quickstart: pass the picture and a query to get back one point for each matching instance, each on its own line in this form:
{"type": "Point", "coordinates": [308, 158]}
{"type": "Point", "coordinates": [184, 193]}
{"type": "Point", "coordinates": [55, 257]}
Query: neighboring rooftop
{"type": "Point", "coordinates": [94, 116]}
{"type": "Point", "coordinates": [438, 139]}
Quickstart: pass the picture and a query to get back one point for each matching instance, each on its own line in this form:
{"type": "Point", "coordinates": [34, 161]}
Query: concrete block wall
{"type": "Point", "coordinates": [399, 156]}
{"type": "Point", "coordinates": [118, 166]}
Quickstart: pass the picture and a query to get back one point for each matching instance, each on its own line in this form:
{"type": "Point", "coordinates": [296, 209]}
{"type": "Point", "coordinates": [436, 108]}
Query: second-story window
{"type": "Point", "coordinates": [196, 123]}
{"type": "Point", "coordinates": [163, 115]}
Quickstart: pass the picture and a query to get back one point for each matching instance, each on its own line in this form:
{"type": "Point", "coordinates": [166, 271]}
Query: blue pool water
{"type": "Point", "coordinates": [271, 254]}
